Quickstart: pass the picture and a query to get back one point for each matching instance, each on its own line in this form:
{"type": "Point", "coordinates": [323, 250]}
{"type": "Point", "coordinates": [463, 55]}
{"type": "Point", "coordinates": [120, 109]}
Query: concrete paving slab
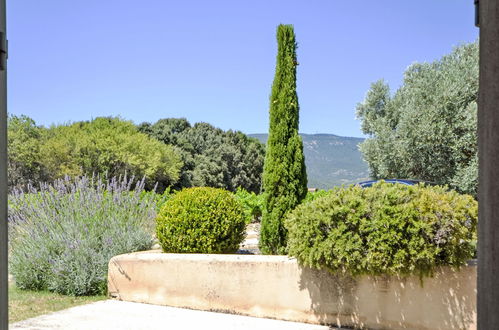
{"type": "Point", "coordinates": [114, 314]}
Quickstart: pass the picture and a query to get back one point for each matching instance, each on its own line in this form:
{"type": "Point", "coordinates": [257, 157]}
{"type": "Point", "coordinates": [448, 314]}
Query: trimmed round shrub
{"type": "Point", "coordinates": [385, 229]}
{"type": "Point", "coordinates": [201, 220]}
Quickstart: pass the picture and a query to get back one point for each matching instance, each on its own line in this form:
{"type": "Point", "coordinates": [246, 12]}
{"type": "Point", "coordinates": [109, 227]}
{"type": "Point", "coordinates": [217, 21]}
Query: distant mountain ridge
{"type": "Point", "coordinates": [331, 160]}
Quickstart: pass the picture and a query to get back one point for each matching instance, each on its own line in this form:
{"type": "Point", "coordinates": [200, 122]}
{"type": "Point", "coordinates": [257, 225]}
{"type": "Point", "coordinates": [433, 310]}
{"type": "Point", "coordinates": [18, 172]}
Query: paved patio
{"type": "Point", "coordinates": [114, 314]}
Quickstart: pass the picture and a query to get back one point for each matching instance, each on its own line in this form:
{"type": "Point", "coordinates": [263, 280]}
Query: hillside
{"type": "Point", "coordinates": [331, 160]}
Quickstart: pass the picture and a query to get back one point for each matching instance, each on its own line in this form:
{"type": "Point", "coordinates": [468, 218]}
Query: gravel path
{"type": "Point", "coordinates": [250, 243]}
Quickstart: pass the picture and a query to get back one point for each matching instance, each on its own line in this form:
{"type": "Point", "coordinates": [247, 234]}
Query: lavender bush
{"type": "Point", "coordinates": [62, 235]}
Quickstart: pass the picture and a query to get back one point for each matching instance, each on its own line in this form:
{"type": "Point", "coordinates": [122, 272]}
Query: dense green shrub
{"type": "Point", "coordinates": [386, 229]}
{"type": "Point", "coordinates": [63, 235]}
{"type": "Point", "coordinates": [252, 203]}
{"type": "Point", "coordinates": [109, 145]}
{"type": "Point", "coordinates": [24, 158]}
{"type": "Point", "coordinates": [201, 220]}
{"type": "Point", "coordinates": [284, 173]}
{"type": "Point", "coordinates": [313, 195]}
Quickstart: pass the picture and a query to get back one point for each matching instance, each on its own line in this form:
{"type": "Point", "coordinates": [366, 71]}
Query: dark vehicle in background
{"type": "Point", "coordinates": [366, 184]}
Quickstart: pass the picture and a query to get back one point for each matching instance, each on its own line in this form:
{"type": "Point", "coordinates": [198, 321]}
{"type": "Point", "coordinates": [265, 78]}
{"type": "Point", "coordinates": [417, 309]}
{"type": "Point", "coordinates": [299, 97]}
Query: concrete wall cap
{"type": "Point", "coordinates": [158, 255]}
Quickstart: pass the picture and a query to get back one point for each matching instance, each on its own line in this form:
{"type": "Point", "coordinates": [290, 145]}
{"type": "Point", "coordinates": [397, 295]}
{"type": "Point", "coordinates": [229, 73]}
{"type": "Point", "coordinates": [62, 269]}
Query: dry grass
{"type": "Point", "coordinates": [25, 304]}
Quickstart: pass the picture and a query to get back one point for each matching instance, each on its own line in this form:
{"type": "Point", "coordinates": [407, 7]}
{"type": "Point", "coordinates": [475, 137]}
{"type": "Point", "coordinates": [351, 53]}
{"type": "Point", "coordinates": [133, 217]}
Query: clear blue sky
{"type": "Point", "coordinates": [214, 61]}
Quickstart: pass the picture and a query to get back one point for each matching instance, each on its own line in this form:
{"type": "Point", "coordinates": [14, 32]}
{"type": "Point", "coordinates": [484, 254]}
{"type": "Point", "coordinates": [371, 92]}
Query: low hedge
{"type": "Point", "coordinates": [252, 203]}
{"type": "Point", "coordinates": [385, 229]}
{"type": "Point", "coordinates": [201, 220]}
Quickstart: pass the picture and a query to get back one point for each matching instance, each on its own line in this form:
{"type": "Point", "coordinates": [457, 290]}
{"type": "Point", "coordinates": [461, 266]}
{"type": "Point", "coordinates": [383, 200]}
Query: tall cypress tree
{"type": "Point", "coordinates": [284, 173]}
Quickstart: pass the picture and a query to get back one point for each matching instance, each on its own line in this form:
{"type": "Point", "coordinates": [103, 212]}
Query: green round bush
{"type": "Point", "coordinates": [385, 229]}
{"type": "Point", "coordinates": [201, 220]}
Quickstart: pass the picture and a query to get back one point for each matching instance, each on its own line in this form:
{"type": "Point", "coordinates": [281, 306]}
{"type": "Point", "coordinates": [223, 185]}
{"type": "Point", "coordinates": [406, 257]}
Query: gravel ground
{"type": "Point", "coordinates": [250, 243]}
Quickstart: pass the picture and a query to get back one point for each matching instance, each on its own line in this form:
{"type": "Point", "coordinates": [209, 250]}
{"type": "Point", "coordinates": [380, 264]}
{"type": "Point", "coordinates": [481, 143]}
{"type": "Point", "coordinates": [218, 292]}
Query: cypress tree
{"type": "Point", "coordinates": [284, 173]}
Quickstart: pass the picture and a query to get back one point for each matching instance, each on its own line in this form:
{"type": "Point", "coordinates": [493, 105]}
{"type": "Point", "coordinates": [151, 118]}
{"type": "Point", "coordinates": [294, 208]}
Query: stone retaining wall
{"type": "Point", "coordinates": [277, 287]}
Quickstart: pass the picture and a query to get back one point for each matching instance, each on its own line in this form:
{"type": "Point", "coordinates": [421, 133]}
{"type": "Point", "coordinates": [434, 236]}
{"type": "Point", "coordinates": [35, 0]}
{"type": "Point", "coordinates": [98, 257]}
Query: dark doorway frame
{"type": "Point", "coordinates": [4, 301]}
{"type": "Point", "coordinates": [488, 156]}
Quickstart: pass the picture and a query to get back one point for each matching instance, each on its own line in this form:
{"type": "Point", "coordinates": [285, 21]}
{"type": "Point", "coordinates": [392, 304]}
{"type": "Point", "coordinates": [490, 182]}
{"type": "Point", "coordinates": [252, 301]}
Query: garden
{"type": "Point", "coordinates": [326, 256]}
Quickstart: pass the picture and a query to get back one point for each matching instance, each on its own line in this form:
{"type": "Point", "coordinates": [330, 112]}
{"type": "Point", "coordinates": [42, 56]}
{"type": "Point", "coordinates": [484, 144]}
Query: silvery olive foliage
{"type": "Point", "coordinates": [62, 235]}
{"type": "Point", "coordinates": [427, 129]}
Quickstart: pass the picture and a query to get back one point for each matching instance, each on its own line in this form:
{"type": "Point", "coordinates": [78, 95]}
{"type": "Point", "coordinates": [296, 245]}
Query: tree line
{"type": "Point", "coordinates": [168, 153]}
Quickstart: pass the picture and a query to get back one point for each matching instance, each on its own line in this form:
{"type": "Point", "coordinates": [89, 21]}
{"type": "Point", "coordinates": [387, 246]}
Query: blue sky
{"type": "Point", "coordinates": [214, 61]}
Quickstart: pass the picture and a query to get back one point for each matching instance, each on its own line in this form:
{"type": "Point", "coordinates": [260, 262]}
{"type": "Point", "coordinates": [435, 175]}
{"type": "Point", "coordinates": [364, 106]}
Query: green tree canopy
{"type": "Point", "coordinates": [24, 157]}
{"type": "Point", "coordinates": [427, 129]}
{"type": "Point", "coordinates": [212, 157]}
{"type": "Point", "coordinates": [112, 146]}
